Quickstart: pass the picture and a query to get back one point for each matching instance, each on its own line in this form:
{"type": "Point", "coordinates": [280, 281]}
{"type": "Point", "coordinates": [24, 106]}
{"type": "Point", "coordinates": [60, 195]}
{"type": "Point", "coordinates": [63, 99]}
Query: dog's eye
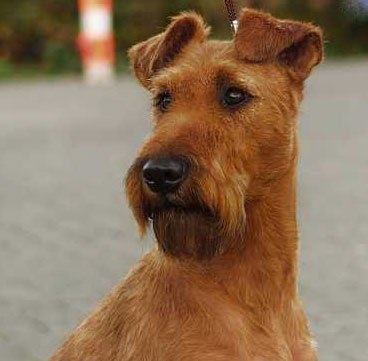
{"type": "Point", "coordinates": [163, 101]}
{"type": "Point", "coordinates": [234, 97]}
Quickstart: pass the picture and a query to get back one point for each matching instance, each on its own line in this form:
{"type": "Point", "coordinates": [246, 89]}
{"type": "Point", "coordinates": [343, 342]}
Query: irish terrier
{"type": "Point", "coordinates": [217, 181]}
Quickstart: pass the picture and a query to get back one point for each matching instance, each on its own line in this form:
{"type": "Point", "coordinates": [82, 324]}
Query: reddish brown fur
{"type": "Point", "coordinates": [222, 283]}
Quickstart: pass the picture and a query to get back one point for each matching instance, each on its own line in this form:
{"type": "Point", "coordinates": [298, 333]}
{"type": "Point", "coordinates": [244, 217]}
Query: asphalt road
{"type": "Point", "coordinates": [67, 236]}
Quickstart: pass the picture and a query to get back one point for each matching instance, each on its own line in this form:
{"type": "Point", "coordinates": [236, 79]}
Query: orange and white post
{"type": "Point", "coordinates": [96, 40]}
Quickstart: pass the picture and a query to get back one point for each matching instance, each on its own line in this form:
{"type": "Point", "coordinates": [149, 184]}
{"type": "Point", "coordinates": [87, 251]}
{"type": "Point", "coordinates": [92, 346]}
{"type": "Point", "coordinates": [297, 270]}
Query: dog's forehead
{"type": "Point", "coordinates": [208, 63]}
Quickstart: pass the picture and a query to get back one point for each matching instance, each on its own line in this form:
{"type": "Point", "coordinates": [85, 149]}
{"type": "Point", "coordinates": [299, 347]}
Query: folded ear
{"type": "Point", "coordinates": [148, 57]}
{"type": "Point", "coordinates": [261, 37]}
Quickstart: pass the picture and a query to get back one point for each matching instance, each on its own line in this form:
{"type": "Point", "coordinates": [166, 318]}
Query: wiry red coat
{"type": "Point", "coordinates": [221, 285]}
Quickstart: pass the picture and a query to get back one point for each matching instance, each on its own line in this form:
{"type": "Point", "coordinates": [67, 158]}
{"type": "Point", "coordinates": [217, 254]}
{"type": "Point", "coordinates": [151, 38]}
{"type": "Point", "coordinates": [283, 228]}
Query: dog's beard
{"type": "Point", "coordinates": [201, 220]}
{"type": "Point", "coordinates": [183, 232]}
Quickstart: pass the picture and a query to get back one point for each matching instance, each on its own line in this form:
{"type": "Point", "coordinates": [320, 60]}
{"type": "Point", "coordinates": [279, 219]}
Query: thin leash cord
{"type": "Point", "coordinates": [229, 4]}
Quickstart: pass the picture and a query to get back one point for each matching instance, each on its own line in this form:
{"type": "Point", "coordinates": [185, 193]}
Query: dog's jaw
{"type": "Point", "coordinates": [188, 233]}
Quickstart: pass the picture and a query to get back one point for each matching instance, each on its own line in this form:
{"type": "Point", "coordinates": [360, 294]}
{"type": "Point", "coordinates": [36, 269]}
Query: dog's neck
{"type": "Point", "coordinates": [265, 270]}
{"type": "Point", "coordinates": [261, 267]}
{"type": "Point", "coordinates": [270, 256]}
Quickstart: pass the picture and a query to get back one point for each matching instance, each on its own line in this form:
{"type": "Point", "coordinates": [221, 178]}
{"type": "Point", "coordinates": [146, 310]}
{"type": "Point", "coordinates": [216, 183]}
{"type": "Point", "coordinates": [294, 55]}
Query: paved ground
{"type": "Point", "coordinates": [66, 235]}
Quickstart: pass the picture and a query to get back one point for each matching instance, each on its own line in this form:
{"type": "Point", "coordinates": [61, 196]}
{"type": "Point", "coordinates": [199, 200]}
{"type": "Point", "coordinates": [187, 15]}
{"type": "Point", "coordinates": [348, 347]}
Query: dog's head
{"type": "Point", "coordinates": [224, 126]}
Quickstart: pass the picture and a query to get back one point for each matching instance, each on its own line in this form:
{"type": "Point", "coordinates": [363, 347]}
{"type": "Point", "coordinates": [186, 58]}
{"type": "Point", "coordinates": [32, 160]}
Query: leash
{"type": "Point", "coordinates": [229, 4]}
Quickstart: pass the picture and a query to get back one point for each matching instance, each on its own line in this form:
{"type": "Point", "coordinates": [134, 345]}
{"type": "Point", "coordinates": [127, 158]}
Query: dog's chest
{"type": "Point", "coordinates": [196, 325]}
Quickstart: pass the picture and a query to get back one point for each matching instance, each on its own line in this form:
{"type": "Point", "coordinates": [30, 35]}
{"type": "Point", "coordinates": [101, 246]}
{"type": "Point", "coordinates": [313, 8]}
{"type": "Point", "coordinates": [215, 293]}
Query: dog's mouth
{"type": "Point", "coordinates": [186, 229]}
{"type": "Point", "coordinates": [173, 208]}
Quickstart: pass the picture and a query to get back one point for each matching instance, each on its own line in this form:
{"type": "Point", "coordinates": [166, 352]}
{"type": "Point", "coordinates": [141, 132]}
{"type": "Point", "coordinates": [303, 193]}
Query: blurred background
{"type": "Point", "coordinates": [66, 233]}
{"type": "Point", "coordinates": [39, 36]}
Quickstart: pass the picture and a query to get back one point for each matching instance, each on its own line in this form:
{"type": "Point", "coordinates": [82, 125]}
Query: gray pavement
{"type": "Point", "coordinates": [67, 236]}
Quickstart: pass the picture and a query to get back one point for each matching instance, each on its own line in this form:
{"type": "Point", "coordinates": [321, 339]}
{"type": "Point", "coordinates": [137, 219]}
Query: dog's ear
{"type": "Point", "coordinates": [261, 37]}
{"type": "Point", "coordinates": [148, 57]}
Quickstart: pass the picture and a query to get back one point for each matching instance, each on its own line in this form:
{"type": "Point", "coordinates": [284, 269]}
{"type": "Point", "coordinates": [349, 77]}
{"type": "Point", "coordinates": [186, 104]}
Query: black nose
{"type": "Point", "coordinates": [164, 175]}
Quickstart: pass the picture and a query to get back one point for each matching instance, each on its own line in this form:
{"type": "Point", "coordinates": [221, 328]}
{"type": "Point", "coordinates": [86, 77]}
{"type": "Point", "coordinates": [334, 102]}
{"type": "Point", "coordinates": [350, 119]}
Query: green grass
{"type": "Point", "coordinates": [9, 71]}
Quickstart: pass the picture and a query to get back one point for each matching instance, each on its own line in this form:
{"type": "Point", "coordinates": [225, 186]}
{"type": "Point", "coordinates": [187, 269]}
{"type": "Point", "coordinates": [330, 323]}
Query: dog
{"type": "Point", "coordinates": [217, 182]}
